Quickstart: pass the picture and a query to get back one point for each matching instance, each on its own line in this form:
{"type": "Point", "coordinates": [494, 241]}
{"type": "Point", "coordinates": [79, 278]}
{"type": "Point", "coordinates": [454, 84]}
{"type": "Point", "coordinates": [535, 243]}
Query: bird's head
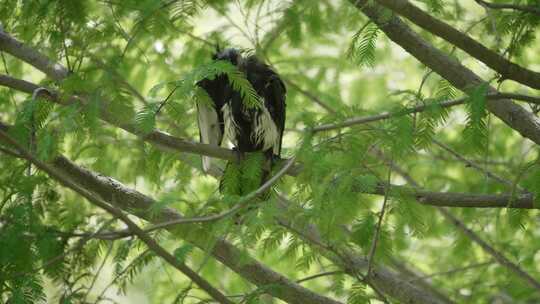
{"type": "Point", "coordinates": [230, 54]}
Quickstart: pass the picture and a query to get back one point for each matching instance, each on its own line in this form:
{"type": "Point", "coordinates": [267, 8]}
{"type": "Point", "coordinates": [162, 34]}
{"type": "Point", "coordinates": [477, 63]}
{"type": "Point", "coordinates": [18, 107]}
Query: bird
{"type": "Point", "coordinates": [249, 129]}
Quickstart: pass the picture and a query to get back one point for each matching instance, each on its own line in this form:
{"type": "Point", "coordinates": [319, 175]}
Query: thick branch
{"type": "Point", "coordinates": [506, 68]}
{"type": "Point", "coordinates": [27, 54]}
{"type": "Point", "coordinates": [524, 8]}
{"type": "Point", "coordinates": [458, 75]}
{"type": "Point", "coordinates": [455, 199]}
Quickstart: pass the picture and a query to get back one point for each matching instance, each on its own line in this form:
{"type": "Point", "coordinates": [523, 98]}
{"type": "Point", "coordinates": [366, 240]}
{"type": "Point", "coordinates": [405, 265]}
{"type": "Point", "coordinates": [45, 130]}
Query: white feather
{"type": "Point", "coordinates": [209, 128]}
{"type": "Point", "coordinates": [230, 128]}
{"type": "Point", "coordinates": [266, 131]}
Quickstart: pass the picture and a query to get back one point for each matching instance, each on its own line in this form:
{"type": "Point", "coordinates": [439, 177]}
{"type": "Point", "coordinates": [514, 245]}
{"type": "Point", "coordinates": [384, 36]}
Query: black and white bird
{"type": "Point", "coordinates": [249, 129]}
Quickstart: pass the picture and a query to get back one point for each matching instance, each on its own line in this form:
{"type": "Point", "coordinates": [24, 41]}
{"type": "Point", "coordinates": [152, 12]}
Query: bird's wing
{"type": "Point", "coordinates": [210, 130]}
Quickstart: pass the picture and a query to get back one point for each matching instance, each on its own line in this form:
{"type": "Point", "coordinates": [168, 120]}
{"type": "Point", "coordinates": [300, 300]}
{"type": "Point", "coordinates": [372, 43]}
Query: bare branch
{"type": "Point", "coordinates": [524, 8]}
{"type": "Point", "coordinates": [456, 199]}
{"type": "Point", "coordinates": [417, 109]}
{"type": "Point", "coordinates": [318, 275]}
{"type": "Point", "coordinates": [506, 68]}
{"type": "Point", "coordinates": [452, 271]}
{"type": "Point", "coordinates": [377, 232]}
{"type": "Point", "coordinates": [27, 54]}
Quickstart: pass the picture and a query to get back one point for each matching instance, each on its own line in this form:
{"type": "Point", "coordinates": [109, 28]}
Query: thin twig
{"type": "Point", "coordinates": [311, 96]}
{"type": "Point", "coordinates": [98, 272]}
{"type": "Point", "coordinates": [420, 108]}
{"type": "Point", "coordinates": [318, 275]}
{"type": "Point", "coordinates": [118, 275]}
{"type": "Point", "coordinates": [240, 204]}
{"type": "Point", "coordinates": [452, 271]}
{"type": "Point", "coordinates": [524, 8]}
{"type": "Point", "coordinates": [475, 165]}
{"type": "Point", "coordinates": [376, 235]}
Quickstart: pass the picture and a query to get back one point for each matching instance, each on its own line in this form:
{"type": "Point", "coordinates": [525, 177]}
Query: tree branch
{"type": "Point", "coordinates": [506, 68]}
{"type": "Point", "coordinates": [418, 109]}
{"type": "Point", "coordinates": [160, 139]}
{"type": "Point", "coordinates": [377, 232]}
{"type": "Point", "coordinates": [524, 8]}
{"type": "Point", "coordinates": [458, 75]}
{"type": "Point", "coordinates": [455, 199]}
{"type": "Point", "coordinates": [27, 54]}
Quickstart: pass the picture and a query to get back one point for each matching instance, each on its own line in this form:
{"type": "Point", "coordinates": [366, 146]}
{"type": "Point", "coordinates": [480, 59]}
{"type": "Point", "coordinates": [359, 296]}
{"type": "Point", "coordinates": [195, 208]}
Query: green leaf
{"type": "Point", "coordinates": [181, 253]}
{"type": "Point", "coordinates": [363, 45]}
{"type": "Point", "coordinates": [145, 119]}
{"type": "Point", "coordinates": [476, 127]}
{"type": "Point", "coordinates": [357, 294]}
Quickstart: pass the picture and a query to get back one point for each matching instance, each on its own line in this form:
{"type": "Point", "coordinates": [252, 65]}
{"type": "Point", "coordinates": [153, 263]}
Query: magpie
{"type": "Point", "coordinates": [249, 129]}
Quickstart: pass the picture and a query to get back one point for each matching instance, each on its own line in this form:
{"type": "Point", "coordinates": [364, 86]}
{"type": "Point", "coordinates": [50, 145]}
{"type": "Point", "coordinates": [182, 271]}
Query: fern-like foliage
{"type": "Point", "coordinates": [363, 45]}
{"type": "Point", "coordinates": [145, 120]}
{"type": "Point", "coordinates": [357, 294]}
{"type": "Point", "coordinates": [476, 130]}
{"type": "Point", "coordinates": [434, 115]}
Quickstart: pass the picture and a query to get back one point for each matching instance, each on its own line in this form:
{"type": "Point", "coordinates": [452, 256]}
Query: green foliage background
{"type": "Point", "coordinates": [131, 55]}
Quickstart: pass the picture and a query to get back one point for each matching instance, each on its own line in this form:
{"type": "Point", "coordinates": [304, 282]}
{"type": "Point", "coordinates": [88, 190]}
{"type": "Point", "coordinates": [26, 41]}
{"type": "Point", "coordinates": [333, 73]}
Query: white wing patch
{"type": "Point", "coordinates": [209, 128]}
{"type": "Point", "coordinates": [266, 131]}
{"type": "Point", "coordinates": [230, 125]}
